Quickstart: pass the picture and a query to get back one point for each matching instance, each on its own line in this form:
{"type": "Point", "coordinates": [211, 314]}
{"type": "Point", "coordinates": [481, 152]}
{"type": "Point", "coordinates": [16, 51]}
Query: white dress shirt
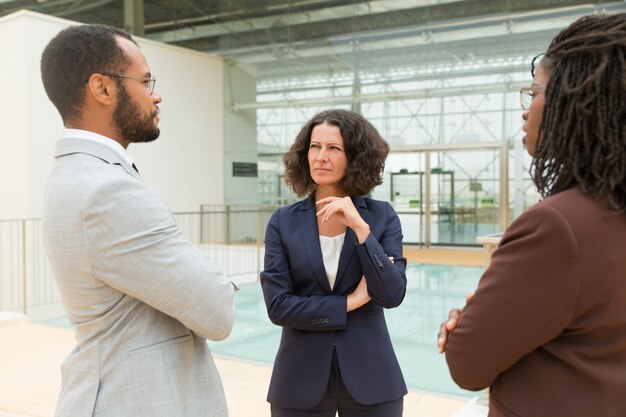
{"type": "Point", "coordinates": [87, 135]}
{"type": "Point", "coordinates": [331, 250]}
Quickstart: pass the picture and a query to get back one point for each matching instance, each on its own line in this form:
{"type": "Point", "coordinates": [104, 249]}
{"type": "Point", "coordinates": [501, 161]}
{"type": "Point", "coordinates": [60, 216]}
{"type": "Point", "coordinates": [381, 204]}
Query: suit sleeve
{"type": "Point", "coordinates": [135, 247]}
{"type": "Point", "coordinates": [386, 280]}
{"type": "Point", "coordinates": [311, 312]}
{"type": "Point", "coordinates": [525, 299]}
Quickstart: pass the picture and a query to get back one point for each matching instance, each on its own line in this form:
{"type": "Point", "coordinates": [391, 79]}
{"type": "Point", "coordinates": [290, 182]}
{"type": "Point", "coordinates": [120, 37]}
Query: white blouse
{"type": "Point", "coordinates": [331, 250]}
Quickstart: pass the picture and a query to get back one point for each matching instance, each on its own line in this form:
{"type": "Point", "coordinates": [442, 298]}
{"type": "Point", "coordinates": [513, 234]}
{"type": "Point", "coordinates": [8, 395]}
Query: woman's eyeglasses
{"type": "Point", "coordinates": [528, 94]}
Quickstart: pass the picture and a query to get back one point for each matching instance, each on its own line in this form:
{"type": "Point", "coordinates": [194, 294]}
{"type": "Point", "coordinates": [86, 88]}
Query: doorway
{"type": "Point", "coordinates": [449, 194]}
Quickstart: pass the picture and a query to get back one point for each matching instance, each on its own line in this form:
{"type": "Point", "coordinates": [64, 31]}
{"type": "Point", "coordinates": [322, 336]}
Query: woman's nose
{"type": "Point", "coordinates": [525, 115]}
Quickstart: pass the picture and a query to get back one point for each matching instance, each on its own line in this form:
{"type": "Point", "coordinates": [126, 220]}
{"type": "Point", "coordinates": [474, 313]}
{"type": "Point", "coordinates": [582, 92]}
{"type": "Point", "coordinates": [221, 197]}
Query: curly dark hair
{"type": "Point", "coordinates": [72, 56]}
{"type": "Point", "coordinates": [365, 149]}
{"type": "Point", "coordinates": [583, 129]}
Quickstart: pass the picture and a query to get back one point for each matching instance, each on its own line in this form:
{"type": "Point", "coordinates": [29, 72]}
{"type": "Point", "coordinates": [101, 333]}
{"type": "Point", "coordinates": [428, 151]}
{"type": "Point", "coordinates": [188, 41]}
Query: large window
{"type": "Point", "coordinates": [413, 106]}
{"type": "Point", "coordinates": [441, 82]}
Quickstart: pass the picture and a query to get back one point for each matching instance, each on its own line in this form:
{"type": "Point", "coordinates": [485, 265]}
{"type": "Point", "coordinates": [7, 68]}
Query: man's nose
{"type": "Point", "coordinates": [156, 97]}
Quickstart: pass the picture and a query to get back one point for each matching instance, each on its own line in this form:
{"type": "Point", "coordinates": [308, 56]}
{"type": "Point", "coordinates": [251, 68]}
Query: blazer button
{"type": "Point", "coordinates": [380, 263]}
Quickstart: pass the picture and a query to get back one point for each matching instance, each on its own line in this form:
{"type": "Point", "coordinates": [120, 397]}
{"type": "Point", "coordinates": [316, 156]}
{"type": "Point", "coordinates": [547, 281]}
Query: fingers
{"type": "Point", "coordinates": [442, 338]}
{"type": "Point", "coordinates": [362, 285]}
{"type": "Point", "coordinates": [453, 319]}
{"type": "Point", "coordinates": [325, 206]}
{"type": "Point", "coordinates": [328, 211]}
{"type": "Point", "coordinates": [326, 200]}
{"type": "Point", "coordinates": [446, 327]}
{"type": "Point", "coordinates": [359, 296]}
{"type": "Point", "coordinates": [454, 316]}
{"type": "Point", "coordinates": [331, 206]}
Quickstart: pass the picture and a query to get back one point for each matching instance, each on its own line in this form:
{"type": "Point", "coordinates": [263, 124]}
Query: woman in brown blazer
{"type": "Point", "coordinates": [546, 328]}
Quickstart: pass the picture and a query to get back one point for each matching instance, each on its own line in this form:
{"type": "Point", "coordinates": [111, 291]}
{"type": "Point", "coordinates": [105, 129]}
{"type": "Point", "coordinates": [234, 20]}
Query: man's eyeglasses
{"type": "Point", "coordinates": [149, 82]}
{"type": "Point", "coordinates": [527, 95]}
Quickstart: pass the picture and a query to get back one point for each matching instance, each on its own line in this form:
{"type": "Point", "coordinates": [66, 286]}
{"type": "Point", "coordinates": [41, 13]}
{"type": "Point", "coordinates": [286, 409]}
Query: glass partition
{"type": "Point", "coordinates": [465, 196]}
{"type": "Point", "coordinates": [448, 195]}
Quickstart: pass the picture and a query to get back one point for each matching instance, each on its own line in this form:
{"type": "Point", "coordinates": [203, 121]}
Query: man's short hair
{"type": "Point", "coordinates": [72, 56]}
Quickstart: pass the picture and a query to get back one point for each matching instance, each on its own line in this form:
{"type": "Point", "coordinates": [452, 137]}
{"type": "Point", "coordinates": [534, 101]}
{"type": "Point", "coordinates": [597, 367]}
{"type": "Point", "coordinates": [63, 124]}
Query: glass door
{"type": "Point", "coordinates": [405, 190]}
{"type": "Point", "coordinates": [448, 194]}
{"type": "Point", "coordinates": [464, 196]}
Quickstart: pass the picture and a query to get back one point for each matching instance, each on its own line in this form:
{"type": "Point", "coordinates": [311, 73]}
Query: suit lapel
{"type": "Point", "coordinates": [311, 241]}
{"type": "Point", "coordinates": [350, 241]}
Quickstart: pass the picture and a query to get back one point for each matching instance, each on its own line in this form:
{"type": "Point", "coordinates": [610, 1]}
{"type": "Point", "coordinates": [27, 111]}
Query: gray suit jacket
{"type": "Point", "coordinates": [143, 299]}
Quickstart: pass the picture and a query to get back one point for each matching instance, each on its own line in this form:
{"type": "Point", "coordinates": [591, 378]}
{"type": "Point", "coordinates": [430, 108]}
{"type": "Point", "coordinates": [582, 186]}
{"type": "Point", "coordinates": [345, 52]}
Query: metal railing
{"type": "Point", "coordinates": [231, 236]}
{"type": "Point", "coordinates": [25, 274]}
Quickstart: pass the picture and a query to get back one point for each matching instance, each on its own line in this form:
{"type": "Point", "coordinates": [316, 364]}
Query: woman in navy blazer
{"type": "Point", "coordinates": [335, 353]}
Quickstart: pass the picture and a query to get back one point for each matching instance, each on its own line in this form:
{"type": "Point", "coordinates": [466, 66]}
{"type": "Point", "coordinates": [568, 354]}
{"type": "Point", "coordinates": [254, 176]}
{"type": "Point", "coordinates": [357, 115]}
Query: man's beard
{"type": "Point", "coordinates": [132, 125]}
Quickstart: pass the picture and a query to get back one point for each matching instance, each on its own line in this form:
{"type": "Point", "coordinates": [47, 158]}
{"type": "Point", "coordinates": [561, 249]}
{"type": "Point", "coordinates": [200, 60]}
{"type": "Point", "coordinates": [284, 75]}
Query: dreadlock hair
{"type": "Point", "coordinates": [582, 136]}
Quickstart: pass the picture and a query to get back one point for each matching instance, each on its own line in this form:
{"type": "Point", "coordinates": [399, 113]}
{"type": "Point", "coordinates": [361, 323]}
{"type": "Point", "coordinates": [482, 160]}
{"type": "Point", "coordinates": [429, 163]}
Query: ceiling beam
{"type": "Point", "coordinates": [454, 91]}
{"type": "Point", "coordinates": [133, 17]}
{"type": "Point", "coordinates": [328, 14]}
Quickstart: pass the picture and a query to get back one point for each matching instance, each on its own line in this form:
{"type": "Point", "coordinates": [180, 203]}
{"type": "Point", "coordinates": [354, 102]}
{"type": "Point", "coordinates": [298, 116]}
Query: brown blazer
{"type": "Point", "coordinates": [546, 329]}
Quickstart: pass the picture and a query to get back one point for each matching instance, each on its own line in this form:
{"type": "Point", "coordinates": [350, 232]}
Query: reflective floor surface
{"type": "Point", "coordinates": [432, 291]}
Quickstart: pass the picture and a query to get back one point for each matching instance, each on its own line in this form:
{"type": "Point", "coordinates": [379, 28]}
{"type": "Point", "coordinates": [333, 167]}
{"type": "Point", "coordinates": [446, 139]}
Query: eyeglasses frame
{"type": "Point", "coordinates": [525, 92]}
{"type": "Point", "coordinates": [151, 80]}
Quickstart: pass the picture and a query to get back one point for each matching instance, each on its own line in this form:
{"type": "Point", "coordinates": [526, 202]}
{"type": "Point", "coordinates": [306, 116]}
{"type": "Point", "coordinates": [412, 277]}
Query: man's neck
{"type": "Point", "coordinates": [100, 130]}
{"type": "Point", "coordinates": [84, 134]}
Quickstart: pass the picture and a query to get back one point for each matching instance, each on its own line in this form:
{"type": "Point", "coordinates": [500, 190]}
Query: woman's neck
{"type": "Point", "coordinates": [328, 191]}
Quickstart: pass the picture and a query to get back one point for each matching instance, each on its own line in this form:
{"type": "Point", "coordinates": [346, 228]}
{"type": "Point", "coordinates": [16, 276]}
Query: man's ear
{"type": "Point", "coordinates": [101, 88]}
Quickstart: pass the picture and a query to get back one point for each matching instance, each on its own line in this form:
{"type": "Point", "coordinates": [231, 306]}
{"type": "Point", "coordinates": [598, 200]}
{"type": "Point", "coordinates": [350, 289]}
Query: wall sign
{"type": "Point", "coordinates": [244, 169]}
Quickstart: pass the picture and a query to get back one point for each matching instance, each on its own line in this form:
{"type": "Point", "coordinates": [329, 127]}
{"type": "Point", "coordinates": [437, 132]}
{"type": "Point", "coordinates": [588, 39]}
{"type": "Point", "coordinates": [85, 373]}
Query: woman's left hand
{"type": "Point", "coordinates": [344, 209]}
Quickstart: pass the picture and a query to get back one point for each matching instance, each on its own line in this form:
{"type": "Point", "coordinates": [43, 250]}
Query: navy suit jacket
{"type": "Point", "coordinates": [313, 316]}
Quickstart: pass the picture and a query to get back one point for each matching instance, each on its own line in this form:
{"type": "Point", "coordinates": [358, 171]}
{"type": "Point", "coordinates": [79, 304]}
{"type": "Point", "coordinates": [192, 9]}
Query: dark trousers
{"type": "Point", "coordinates": [338, 399]}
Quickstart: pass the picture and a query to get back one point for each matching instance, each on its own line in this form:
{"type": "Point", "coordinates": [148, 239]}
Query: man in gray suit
{"type": "Point", "coordinates": [143, 299]}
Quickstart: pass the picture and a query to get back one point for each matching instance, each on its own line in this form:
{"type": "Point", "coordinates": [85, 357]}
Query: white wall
{"type": "Point", "coordinates": [16, 176]}
{"type": "Point", "coordinates": [240, 144]}
{"type": "Point", "coordinates": [185, 165]}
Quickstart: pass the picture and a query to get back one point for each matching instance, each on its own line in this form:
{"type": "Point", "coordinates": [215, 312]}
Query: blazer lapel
{"type": "Point", "coordinates": [311, 241]}
{"type": "Point", "coordinates": [350, 242]}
